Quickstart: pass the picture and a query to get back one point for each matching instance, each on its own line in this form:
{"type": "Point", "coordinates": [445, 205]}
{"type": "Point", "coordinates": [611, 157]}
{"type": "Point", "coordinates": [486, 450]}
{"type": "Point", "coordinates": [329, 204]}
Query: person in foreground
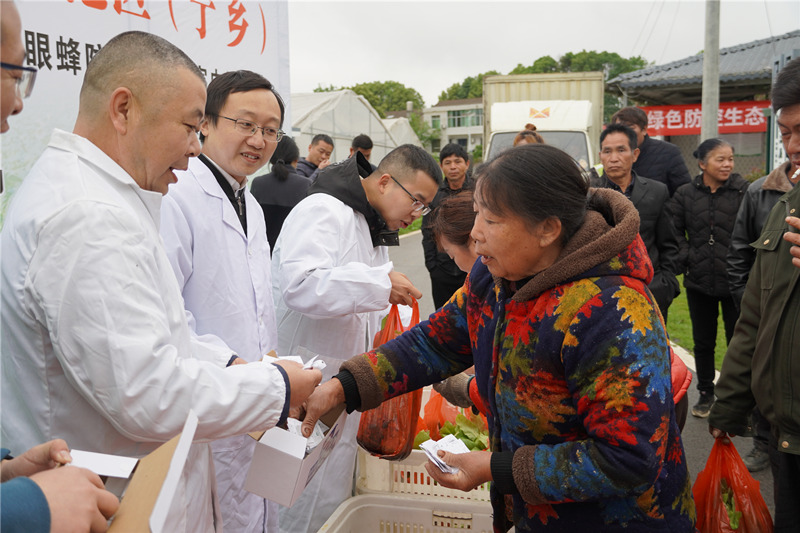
{"type": "Point", "coordinates": [760, 367]}
{"type": "Point", "coordinates": [333, 283]}
{"type": "Point", "coordinates": [39, 497]}
{"type": "Point", "coordinates": [570, 355]}
{"type": "Point", "coordinates": [96, 344]}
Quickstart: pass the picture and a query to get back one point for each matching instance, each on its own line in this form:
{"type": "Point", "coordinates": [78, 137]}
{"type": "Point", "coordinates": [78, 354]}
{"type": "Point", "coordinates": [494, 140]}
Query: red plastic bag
{"type": "Point", "coordinates": [388, 431]}
{"type": "Point", "coordinates": [727, 497]}
{"type": "Point", "coordinates": [437, 412]}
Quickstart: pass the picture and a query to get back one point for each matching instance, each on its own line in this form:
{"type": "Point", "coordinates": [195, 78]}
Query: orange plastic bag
{"type": "Point", "coordinates": [388, 431]}
{"type": "Point", "coordinates": [727, 497]}
{"type": "Point", "coordinates": [437, 412]}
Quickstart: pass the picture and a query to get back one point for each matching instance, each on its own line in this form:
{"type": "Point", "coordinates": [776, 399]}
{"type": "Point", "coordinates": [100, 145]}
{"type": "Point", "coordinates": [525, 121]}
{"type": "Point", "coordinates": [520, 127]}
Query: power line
{"type": "Point", "coordinates": [669, 35]}
{"type": "Point", "coordinates": [650, 34]}
{"type": "Point", "coordinates": [641, 31]}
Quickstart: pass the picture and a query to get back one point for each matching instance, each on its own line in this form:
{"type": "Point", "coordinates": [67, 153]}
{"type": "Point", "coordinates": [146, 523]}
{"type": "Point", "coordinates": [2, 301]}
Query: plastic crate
{"type": "Point", "coordinates": [381, 513]}
{"type": "Point", "coordinates": [407, 477]}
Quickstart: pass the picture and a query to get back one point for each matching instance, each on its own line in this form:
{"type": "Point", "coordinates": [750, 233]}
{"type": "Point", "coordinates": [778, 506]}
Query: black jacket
{"type": "Point", "coordinates": [758, 201]}
{"type": "Point", "coordinates": [662, 161]}
{"type": "Point", "coordinates": [704, 222]}
{"type": "Point", "coordinates": [277, 198]}
{"type": "Point", "coordinates": [343, 181]}
{"type": "Point", "coordinates": [651, 199]}
{"type": "Point", "coordinates": [307, 168]}
{"type": "Point", "coordinates": [434, 259]}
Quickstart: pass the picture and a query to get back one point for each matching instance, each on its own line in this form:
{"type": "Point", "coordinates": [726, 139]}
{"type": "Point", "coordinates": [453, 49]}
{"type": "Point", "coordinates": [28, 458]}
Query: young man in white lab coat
{"type": "Point", "coordinates": [96, 345]}
{"type": "Point", "coordinates": [333, 282]}
{"type": "Point", "coordinates": [216, 241]}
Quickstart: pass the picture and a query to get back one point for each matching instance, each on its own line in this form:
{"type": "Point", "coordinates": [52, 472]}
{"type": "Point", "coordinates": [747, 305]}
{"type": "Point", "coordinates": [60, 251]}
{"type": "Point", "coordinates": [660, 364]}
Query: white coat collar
{"type": "Point", "coordinates": [85, 149]}
{"type": "Point", "coordinates": [209, 184]}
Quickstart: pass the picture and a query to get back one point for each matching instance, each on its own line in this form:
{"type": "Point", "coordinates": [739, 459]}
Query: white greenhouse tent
{"type": "Point", "coordinates": [342, 115]}
{"type": "Point", "coordinates": [401, 130]}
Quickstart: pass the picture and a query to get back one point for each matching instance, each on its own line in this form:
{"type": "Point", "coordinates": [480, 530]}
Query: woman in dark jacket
{"type": "Point", "coordinates": [280, 190]}
{"type": "Point", "coordinates": [704, 211]}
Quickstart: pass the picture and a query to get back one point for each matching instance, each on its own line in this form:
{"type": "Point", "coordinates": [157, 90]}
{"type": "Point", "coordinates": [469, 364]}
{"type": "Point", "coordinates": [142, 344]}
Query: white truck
{"type": "Point", "coordinates": [566, 108]}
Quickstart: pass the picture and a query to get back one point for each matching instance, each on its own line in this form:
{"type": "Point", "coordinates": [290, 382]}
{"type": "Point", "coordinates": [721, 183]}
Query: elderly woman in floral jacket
{"type": "Point", "coordinates": [570, 352]}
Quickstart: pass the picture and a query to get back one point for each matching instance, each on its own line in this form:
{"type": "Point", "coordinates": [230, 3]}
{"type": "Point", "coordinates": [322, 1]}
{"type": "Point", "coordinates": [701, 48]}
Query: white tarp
{"type": "Point", "coordinates": [342, 115]}
{"type": "Point", "coordinates": [60, 37]}
{"type": "Point", "coordinates": [402, 131]}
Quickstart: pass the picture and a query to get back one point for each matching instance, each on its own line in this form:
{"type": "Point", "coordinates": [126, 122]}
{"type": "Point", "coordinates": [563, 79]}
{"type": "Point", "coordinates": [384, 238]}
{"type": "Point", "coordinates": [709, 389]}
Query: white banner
{"type": "Point", "coordinates": [61, 36]}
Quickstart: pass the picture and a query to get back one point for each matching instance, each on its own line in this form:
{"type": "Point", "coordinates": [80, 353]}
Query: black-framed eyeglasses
{"type": "Point", "coordinates": [417, 205]}
{"type": "Point", "coordinates": [25, 81]}
{"type": "Point", "coordinates": [245, 127]}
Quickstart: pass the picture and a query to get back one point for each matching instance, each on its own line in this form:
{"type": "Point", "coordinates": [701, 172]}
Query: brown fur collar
{"type": "Point", "coordinates": [595, 242]}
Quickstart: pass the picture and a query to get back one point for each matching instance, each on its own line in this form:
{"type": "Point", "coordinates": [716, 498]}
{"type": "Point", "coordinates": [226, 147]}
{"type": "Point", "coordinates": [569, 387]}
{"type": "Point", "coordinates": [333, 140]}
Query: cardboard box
{"type": "Point", "coordinates": [280, 469]}
{"type": "Point", "coordinates": [146, 493]}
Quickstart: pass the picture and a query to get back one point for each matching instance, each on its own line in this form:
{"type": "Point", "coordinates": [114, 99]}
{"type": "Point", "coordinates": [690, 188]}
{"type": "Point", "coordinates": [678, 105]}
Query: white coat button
{"type": "Point", "coordinates": [766, 241]}
{"type": "Point", "coordinates": [250, 252]}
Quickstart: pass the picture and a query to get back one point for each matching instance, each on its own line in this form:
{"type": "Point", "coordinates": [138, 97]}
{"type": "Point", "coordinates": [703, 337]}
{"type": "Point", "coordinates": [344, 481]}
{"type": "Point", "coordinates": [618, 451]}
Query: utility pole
{"type": "Point", "coordinates": [708, 127]}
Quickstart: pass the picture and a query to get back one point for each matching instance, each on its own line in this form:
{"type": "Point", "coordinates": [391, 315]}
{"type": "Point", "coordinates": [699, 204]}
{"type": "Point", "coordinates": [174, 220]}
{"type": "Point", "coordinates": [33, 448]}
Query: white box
{"type": "Point", "coordinates": [280, 469]}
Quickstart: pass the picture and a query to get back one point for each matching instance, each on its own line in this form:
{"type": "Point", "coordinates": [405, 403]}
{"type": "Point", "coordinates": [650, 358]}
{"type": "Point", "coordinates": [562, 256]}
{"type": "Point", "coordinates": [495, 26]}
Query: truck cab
{"type": "Point", "coordinates": [565, 124]}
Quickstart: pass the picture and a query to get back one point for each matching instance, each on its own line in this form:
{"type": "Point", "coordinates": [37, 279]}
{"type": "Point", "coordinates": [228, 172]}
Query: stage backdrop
{"type": "Point", "coordinates": [61, 36]}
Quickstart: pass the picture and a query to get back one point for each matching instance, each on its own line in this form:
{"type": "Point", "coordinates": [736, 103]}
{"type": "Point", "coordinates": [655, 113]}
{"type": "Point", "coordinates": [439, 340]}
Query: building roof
{"type": "Point", "coordinates": [463, 101]}
{"type": "Point", "coordinates": [744, 71]}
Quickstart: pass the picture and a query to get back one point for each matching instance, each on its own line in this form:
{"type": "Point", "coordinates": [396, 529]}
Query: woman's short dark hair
{"type": "Point", "coordinates": [707, 146]}
{"type": "Point", "coordinates": [453, 219]}
{"type": "Point", "coordinates": [285, 154]}
{"type": "Point", "coordinates": [535, 182]}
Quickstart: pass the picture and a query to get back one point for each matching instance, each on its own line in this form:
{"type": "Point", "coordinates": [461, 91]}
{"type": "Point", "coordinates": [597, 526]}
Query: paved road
{"type": "Point", "coordinates": [408, 259]}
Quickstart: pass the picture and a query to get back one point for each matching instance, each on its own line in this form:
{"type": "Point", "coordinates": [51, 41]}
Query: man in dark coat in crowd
{"type": "Point", "coordinates": [658, 160]}
{"type": "Point", "coordinates": [618, 154]}
{"type": "Point", "coordinates": [446, 277]}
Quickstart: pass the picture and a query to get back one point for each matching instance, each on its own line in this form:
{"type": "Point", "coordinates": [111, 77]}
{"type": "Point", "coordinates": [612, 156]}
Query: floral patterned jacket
{"type": "Point", "coordinates": [574, 366]}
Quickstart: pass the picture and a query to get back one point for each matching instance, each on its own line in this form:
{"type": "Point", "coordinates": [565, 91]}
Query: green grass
{"type": "Point", "coordinates": [417, 224]}
{"type": "Point", "coordinates": [679, 327]}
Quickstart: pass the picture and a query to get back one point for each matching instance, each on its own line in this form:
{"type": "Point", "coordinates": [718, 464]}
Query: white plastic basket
{"type": "Point", "coordinates": [381, 513]}
{"type": "Point", "coordinates": [407, 477]}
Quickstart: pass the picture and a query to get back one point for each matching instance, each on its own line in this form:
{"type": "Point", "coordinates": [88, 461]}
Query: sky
{"type": "Point", "coordinates": [431, 45]}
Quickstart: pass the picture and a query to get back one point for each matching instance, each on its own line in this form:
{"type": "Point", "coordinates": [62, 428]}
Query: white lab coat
{"type": "Point", "coordinates": [224, 276]}
{"type": "Point", "coordinates": [331, 288]}
{"type": "Point", "coordinates": [96, 347]}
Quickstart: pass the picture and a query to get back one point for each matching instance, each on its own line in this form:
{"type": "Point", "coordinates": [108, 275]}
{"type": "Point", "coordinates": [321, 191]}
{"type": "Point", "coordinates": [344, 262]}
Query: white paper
{"type": "Point", "coordinates": [295, 426]}
{"type": "Point", "coordinates": [319, 364]}
{"type": "Point", "coordinates": [449, 444]}
{"type": "Point", "coordinates": [104, 464]}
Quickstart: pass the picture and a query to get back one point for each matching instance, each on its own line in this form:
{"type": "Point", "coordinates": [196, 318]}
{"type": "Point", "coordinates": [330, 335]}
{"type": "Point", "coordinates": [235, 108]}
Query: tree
{"type": "Point", "coordinates": [328, 89]}
{"type": "Point", "coordinates": [611, 64]}
{"type": "Point", "coordinates": [424, 131]}
{"type": "Point", "coordinates": [471, 87]}
{"type": "Point", "coordinates": [542, 65]}
{"type": "Point", "coordinates": [384, 96]}
{"type": "Point", "coordinates": [388, 96]}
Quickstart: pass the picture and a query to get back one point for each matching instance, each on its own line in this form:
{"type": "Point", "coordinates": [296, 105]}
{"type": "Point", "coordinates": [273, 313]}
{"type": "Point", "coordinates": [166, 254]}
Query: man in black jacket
{"type": "Point", "coordinates": [319, 156]}
{"type": "Point", "coordinates": [658, 160]}
{"type": "Point", "coordinates": [618, 153]}
{"type": "Point", "coordinates": [446, 277]}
